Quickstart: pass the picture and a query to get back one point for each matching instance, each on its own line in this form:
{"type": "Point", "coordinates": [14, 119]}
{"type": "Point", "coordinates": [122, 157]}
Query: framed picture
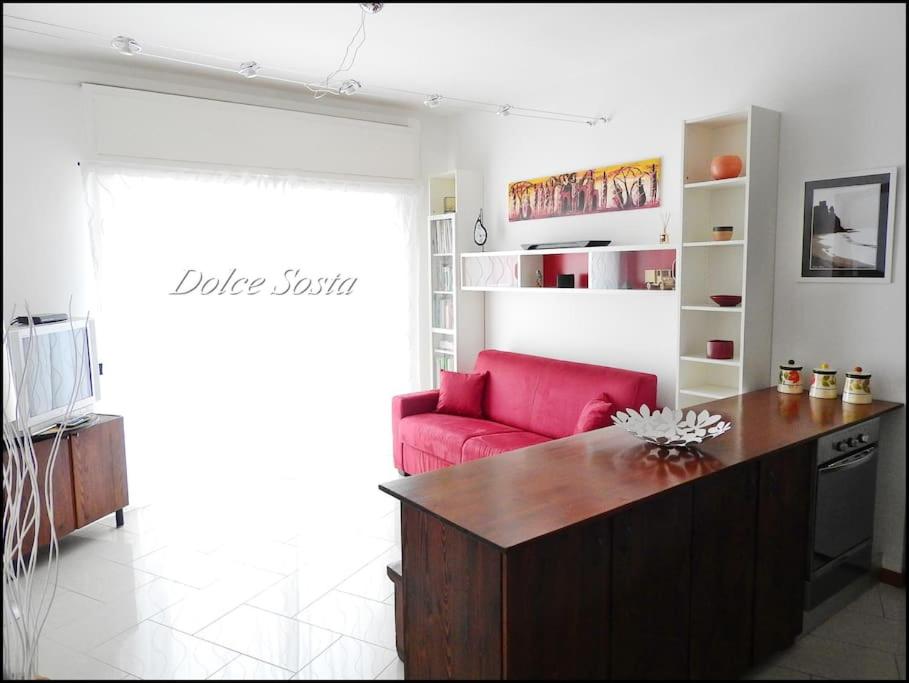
{"type": "Point", "coordinates": [620, 187]}
{"type": "Point", "coordinates": [847, 227]}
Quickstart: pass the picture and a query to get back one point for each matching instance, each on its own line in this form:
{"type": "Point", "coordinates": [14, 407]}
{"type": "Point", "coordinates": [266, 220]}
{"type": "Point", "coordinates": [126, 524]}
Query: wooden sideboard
{"type": "Point", "coordinates": [593, 557]}
{"type": "Point", "coordinates": [89, 478]}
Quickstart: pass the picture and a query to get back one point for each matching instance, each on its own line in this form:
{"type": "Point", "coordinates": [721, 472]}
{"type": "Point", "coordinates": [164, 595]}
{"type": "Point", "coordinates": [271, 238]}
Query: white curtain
{"type": "Point", "coordinates": [224, 389]}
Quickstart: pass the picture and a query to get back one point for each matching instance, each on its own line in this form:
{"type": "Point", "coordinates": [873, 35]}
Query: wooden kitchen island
{"type": "Point", "coordinates": [594, 557]}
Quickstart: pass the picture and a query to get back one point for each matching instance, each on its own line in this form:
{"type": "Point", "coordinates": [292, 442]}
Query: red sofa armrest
{"type": "Point", "coordinates": [403, 406]}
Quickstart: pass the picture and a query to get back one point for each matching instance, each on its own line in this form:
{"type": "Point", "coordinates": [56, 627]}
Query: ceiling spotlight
{"type": "Point", "coordinates": [249, 69]}
{"type": "Point", "coordinates": [599, 119]}
{"type": "Point", "coordinates": [126, 46]}
{"type": "Point", "coordinates": [503, 110]}
{"type": "Point", "coordinates": [433, 101]}
{"type": "Point", "coordinates": [372, 7]}
{"type": "Point", "coordinates": [349, 87]}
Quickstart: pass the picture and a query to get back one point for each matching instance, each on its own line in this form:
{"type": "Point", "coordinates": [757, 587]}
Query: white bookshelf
{"type": "Point", "coordinates": [456, 332]}
{"type": "Point", "coordinates": [741, 266]}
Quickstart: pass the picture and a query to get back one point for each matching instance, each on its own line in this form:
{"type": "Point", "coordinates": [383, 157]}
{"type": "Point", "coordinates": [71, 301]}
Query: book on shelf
{"type": "Point", "coordinates": [441, 236]}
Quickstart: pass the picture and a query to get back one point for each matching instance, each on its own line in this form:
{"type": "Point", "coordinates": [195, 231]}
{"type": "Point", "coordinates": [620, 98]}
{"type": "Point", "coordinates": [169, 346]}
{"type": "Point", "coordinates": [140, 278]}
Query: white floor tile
{"type": "Point", "coordinates": [392, 672]}
{"type": "Point", "coordinates": [862, 629]}
{"type": "Point", "coordinates": [245, 668]}
{"type": "Point", "coordinates": [109, 619]}
{"type": "Point", "coordinates": [834, 659]}
{"type": "Point", "coordinates": [153, 651]}
{"type": "Point", "coordinates": [348, 659]}
{"type": "Point", "coordinates": [99, 578]}
{"type": "Point", "coordinates": [868, 602]}
{"type": "Point", "coordinates": [278, 640]}
{"type": "Point", "coordinates": [68, 607]}
{"type": "Point", "coordinates": [372, 580]}
{"type": "Point", "coordinates": [894, 602]}
{"type": "Point", "coordinates": [210, 604]}
{"type": "Point", "coordinates": [353, 616]}
{"type": "Point", "coordinates": [271, 556]}
{"type": "Point", "coordinates": [295, 592]}
{"type": "Point", "coordinates": [182, 565]}
{"type": "Point", "coordinates": [773, 673]}
{"type": "Point", "coordinates": [58, 662]}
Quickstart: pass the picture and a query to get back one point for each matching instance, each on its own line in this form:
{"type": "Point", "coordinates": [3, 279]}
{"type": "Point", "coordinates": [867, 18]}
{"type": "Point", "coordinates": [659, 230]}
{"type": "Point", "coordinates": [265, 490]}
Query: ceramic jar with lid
{"type": "Point", "coordinates": [790, 378]}
{"type": "Point", "coordinates": [823, 383]}
{"type": "Point", "coordinates": [858, 386]}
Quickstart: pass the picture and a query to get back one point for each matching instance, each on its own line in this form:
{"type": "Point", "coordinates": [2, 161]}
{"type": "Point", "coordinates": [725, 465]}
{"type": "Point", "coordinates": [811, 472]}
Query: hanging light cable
{"type": "Point", "coordinates": [318, 89]}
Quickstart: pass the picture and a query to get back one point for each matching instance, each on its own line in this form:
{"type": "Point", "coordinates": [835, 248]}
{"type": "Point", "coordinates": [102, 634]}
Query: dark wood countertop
{"type": "Point", "coordinates": [509, 499]}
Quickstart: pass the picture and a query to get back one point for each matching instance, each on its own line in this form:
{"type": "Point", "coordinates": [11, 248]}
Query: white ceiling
{"type": "Point", "coordinates": [536, 55]}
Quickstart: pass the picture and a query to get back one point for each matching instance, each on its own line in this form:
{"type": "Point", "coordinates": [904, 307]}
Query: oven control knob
{"type": "Point", "coordinates": [840, 445]}
{"type": "Point", "coordinates": [863, 438]}
{"type": "Point", "coordinates": [851, 442]}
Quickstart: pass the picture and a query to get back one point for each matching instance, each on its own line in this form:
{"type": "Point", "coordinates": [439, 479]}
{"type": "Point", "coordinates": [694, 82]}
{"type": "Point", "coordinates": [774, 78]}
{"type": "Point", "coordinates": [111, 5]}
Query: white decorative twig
{"type": "Point", "coordinates": [26, 600]}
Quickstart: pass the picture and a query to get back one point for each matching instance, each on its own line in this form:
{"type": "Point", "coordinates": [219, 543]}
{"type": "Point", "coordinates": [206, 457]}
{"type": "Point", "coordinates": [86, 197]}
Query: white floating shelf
{"type": "Point", "coordinates": [441, 216]}
{"type": "Point", "coordinates": [718, 184]}
{"type": "Point", "coordinates": [442, 330]}
{"type": "Point", "coordinates": [566, 290]}
{"type": "Point", "coordinates": [573, 250]}
{"type": "Point", "coordinates": [442, 291]}
{"type": "Point", "coordinates": [714, 307]}
{"type": "Point", "coordinates": [443, 253]}
{"type": "Point", "coordinates": [715, 391]}
{"type": "Point", "coordinates": [443, 351]}
{"type": "Point", "coordinates": [702, 358]}
{"type": "Point", "coordinates": [715, 243]}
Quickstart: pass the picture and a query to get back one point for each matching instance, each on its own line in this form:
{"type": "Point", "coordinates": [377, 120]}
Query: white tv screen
{"type": "Point", "coordinates": [54, 363]}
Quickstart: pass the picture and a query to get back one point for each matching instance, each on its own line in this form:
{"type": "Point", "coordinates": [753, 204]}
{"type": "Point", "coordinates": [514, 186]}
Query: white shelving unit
{"type": "Point", "coordinates": [455, 316]}
{"type": "Point", "coordinates": [741, 266]}
{"type": "Point", "coordinates": [606, 270]}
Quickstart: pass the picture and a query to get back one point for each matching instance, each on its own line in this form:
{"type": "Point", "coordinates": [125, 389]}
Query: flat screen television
{"type": "Point", "coordinates": [45, 368]}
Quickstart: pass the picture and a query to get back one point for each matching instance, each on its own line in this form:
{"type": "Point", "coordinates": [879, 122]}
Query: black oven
{"type": "Point", "coordinates": [842, 510]}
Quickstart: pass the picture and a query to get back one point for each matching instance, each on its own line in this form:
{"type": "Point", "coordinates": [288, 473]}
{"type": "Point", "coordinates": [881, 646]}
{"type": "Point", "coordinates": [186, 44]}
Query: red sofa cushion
{"type": "Point", "coordinates": [443, 436]}
{"type": "Point", "coordinates": [461, 393]}
{"type": "Point", "coordinates": [492, 444]}
{"type": "Point", "coordinates": [546, 396]}
{"type": "Point", "coordinates": [595, 415]}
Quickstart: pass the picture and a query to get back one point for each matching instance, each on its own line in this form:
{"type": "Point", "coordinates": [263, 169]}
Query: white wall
{"type": "Point", "coordinates": [837, 74]}
{"type": "Point", "coordinates": [43, 204]}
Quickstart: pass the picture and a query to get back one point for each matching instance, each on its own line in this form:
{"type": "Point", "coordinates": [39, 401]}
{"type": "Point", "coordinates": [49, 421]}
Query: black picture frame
{"type": "Point", "coordinates": [823, 231]}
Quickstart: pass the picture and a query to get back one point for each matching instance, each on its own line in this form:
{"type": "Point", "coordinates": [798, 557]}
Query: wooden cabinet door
{"type": "Point", "coordinates": [452, 601]}
{"type": "Point", "coordinates": [722, 572]}
{"type": "Point", "coordinates": [99, 470]}
{"type": "Point", "coordinates": [782, 549]}
{"type": "Point", "coordinates": [557, 605]}
{"type": "Point", "coordinates": [62, 486]}
{"type": "Point", "coordinates": [651, 577]}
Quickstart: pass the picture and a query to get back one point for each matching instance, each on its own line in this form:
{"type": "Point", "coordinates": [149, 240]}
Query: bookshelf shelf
{"type": "Point", "coordinates": [737, 266]}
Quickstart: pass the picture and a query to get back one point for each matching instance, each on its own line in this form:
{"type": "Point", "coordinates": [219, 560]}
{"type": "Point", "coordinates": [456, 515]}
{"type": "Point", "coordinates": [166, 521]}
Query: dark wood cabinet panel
{"type": "Point", "coordinates": [99, 470]}
{"type": "Point", "coordinates": [557, 606]}
{"type": "Point", "coordinates": [651, 575]}
{"type": "Point", "coordinates": [722, 572]}
{"type": "Point", "coordinates": [452, 601]}
{"type": "Point", "coordinates": [62, 485]}
{"type": "Point", "coordinates": [782, 548]}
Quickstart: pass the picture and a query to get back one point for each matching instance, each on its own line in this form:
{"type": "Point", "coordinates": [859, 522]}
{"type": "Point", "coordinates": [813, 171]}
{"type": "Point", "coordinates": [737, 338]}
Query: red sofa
{"type": "Point", "coordinates": [528, 400]}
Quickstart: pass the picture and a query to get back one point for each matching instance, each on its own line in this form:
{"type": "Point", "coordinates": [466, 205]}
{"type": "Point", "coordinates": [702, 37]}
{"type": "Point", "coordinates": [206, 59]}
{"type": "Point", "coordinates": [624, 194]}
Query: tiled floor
{"type": "Point", "coordinates": [292, 584]}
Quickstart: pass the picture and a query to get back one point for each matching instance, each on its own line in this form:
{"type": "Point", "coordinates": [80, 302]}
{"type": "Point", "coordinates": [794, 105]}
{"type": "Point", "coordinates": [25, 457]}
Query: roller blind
{"type": "Point", "coordinates": [134, 125]}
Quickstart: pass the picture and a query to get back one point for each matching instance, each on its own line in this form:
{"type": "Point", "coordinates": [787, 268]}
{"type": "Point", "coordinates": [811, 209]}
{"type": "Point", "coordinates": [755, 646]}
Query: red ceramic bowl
{"type": "Point", "coordinates": [726, 299]}
{"type": "Point", "coordinates": [719, 349]}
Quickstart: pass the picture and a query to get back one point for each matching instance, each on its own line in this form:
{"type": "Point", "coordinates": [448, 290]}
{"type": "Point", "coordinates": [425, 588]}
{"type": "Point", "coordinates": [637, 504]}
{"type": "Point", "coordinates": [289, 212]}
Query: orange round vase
{"type": "Point", "coordinates": [727, 166]}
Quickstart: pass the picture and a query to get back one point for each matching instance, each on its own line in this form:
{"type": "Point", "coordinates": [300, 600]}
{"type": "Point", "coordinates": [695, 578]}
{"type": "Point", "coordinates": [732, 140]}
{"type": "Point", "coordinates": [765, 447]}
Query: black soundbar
{"type": "Point", "coordinates": [41, 318]}
{"type": "Point", "coordinates": [568, 245]}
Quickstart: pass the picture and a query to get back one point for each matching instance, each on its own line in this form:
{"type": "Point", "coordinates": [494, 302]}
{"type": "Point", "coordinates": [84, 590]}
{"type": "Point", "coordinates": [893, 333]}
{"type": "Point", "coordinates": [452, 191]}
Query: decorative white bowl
{"type": "Point", "coordinates": [669, 427]}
